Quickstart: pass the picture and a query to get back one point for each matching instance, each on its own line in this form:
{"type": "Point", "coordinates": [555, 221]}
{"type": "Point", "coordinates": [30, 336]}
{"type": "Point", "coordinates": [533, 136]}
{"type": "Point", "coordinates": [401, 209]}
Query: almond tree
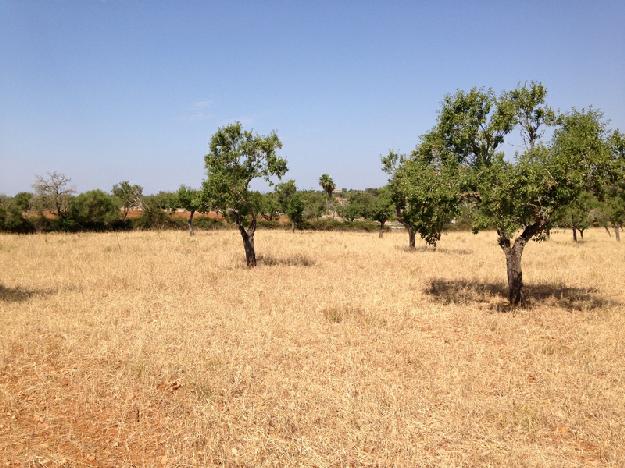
{"type": "Point", "coordinates": [519, 197]}
{"type": "Point", "coordinates": [291, 203]}
{"type": "Point", "coordinates": [191, 200]}
{"type": "Point", "coordinates": [405, 212]}
{"type": "Point", "coordinates": [382, 209]}
{"type": "Point", "coordinates": [129, 195]}
{"type": "Point", "coordinates": [237, 157]}
{"type": "Point", "coordinates": [615, 193]}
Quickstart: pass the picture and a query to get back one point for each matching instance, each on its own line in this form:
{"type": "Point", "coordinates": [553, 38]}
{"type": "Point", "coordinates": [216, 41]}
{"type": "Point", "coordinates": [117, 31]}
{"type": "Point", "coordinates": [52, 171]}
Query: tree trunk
{"type": "Point", "coordinates": [581, 233]}
{"type": "Point", "coordinates": [514, 254]}
{"type": "Point", "coordinates": [607, 229]}
{"type": "Point", "coordinates": [412, 238]}
{"type": "Point", "coordinates": [617, 233]}
{"type": "Point", "coordinates": [381, 233]}
{"type": "Point", "coordinates": [191, 233]}
{"type": "Point", "coordinates": [248, 242]}
{"type": "Point", "coordinates": [515, 273]}
{"type": "Point", "coordinates": [292, 226]}
{"type": "Point", "coordinates": [574, 235]}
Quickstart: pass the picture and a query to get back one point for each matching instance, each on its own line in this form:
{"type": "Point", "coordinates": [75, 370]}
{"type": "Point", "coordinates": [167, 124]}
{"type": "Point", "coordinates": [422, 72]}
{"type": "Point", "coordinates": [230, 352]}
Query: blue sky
{"type": "Point", "coordinates": [111, 90]}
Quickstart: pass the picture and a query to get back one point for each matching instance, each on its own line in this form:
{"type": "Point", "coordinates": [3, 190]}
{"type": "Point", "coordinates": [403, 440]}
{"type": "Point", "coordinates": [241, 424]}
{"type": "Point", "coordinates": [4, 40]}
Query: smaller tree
{"type": "Point", "coordinates": [314, 203]}
{"type": "Point", "coordinates": [129, 196]}
{"type": "Point", "coordinates": [54, 191]}
{"type": "Point", "coordinates": [404, 212]}
{"type": "Point", "coordinates": [615, 193]}
{"type": "Point", "coordinates": [167, 201]}
{"type": "Point", "coordinates": [191, 200]}
{"type": "Point", "coordinates": [358, 205]}
{"type": "Point", "coordinates": [426, 191]}
{"type": "Point", "coordinates": [269, 206]}
{"type": "Point", "coordinates": [381, 209]}
{"type": "Point", "coordinates": [291, 203]}
{"type": "Point", "coordinates": [578, 215]}
{"type": "Point", "coordinates": [237, 157]}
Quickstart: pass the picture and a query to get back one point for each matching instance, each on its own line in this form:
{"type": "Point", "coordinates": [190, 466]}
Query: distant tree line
{"type": "Point", "coordinates": [570, 173]}
{"type": "Point", "coordinates": [54, 205]}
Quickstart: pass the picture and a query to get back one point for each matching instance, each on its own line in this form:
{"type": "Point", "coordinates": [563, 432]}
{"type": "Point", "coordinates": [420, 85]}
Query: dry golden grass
{"type": "Point", "coordinates": [152, 348]}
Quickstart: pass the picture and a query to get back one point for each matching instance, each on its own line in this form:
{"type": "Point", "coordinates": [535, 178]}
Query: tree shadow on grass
{"type": "Point", "coordinates": [20, 294]}
{"type": "Point", "coordinates": [293, 260]}
{"type": "Point", "coordinates": [491, 294]}
{"type": "Point", "coordinates": [421, 248]}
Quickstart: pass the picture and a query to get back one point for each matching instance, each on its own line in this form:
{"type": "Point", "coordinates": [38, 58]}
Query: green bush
{"type": "Point", "coordinates": [93, 210]}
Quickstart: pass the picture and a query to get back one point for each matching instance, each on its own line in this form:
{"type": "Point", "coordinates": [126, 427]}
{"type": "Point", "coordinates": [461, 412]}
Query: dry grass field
{"type": "Point", "coordinates": [340, 349]}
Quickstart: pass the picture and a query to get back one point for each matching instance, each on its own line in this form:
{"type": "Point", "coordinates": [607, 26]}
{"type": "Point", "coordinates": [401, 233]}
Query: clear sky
{"type": "Point", "coordinates": [111, 90]}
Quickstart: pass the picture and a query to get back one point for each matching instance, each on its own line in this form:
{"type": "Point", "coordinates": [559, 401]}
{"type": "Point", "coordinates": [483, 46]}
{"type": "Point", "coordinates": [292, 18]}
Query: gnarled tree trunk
{"type": "Point", "coordinates": [191, 232]}
{"type": "Point", "coordinates": [514, 256]}
{"type": "Point", "coordinates": [381, 233]}
{"type": "Point", "coordinates": [617, 232]}
{"type": "Point", "coordinates": [248, 242]}
{"type": "Point", "coordinates": [514, 269]}
{"type": "Point", "coordinates": [574, 235]}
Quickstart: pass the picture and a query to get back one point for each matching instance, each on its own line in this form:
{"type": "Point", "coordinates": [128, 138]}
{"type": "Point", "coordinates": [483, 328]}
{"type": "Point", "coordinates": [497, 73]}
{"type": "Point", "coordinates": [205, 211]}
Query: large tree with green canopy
{"type": "Point", "coordinates": [236, 158]}
{"type": "Point", "coordinates": [519, 197]}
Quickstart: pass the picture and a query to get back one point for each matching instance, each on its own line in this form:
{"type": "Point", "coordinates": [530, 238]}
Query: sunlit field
{"type": "Point", "coordinates": [154, 348]}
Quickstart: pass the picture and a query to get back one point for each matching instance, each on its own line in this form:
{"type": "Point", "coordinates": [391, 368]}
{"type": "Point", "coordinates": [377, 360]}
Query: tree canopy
{"type": "Point", "coordinates": [237, 157]}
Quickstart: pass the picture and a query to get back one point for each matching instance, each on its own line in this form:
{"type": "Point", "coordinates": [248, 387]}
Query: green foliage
{"type": "Point", "coordinates": [359, 205]}
{"type": "Point", "coordinates": [12, 218]}
{"type": "Point", "coordinates": [284, 192]}
{"type": "Point", "coordinates": [291, 202]}
{"type": "Point", "coordinates": [22, 200]}
{"type": "Point", "coordinates": [94, 209]}
{"type": "Point", "coordinates": [528, 191]}
{"type": "Point", "coordinates": [614, 192]}
{"type": "Point", "coordinates": [579, 213]}
{"type": "Point", "coordinates": [190, 199]}
{"type": "Point", "coordinates": [167, 201]}
{"type": "Point", "coordinates": [531, 112]}
{"type": "Point", "coordinates": [153, 215]}
{"type": "Point", "coordinates": [269, 206]}
{"type": "Point", "coordinates": [295, 210]}
{"type": "Point", "coordinates": [381, 208]}
{"type": "Point", "coordinates": [129, 195]}
{"type": "Point", "coordinates": [472, 124]}
{"type": "Point", "coordinates": [314, 204]}
{"type": "Point", "coordinates": [430, 194]}
{"type": "Point", "coordinates": [327, 184]}
{"type": "Point", "coordinates": [425, 187]}
{"type": "Point", "coordinates": [236, 158]}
